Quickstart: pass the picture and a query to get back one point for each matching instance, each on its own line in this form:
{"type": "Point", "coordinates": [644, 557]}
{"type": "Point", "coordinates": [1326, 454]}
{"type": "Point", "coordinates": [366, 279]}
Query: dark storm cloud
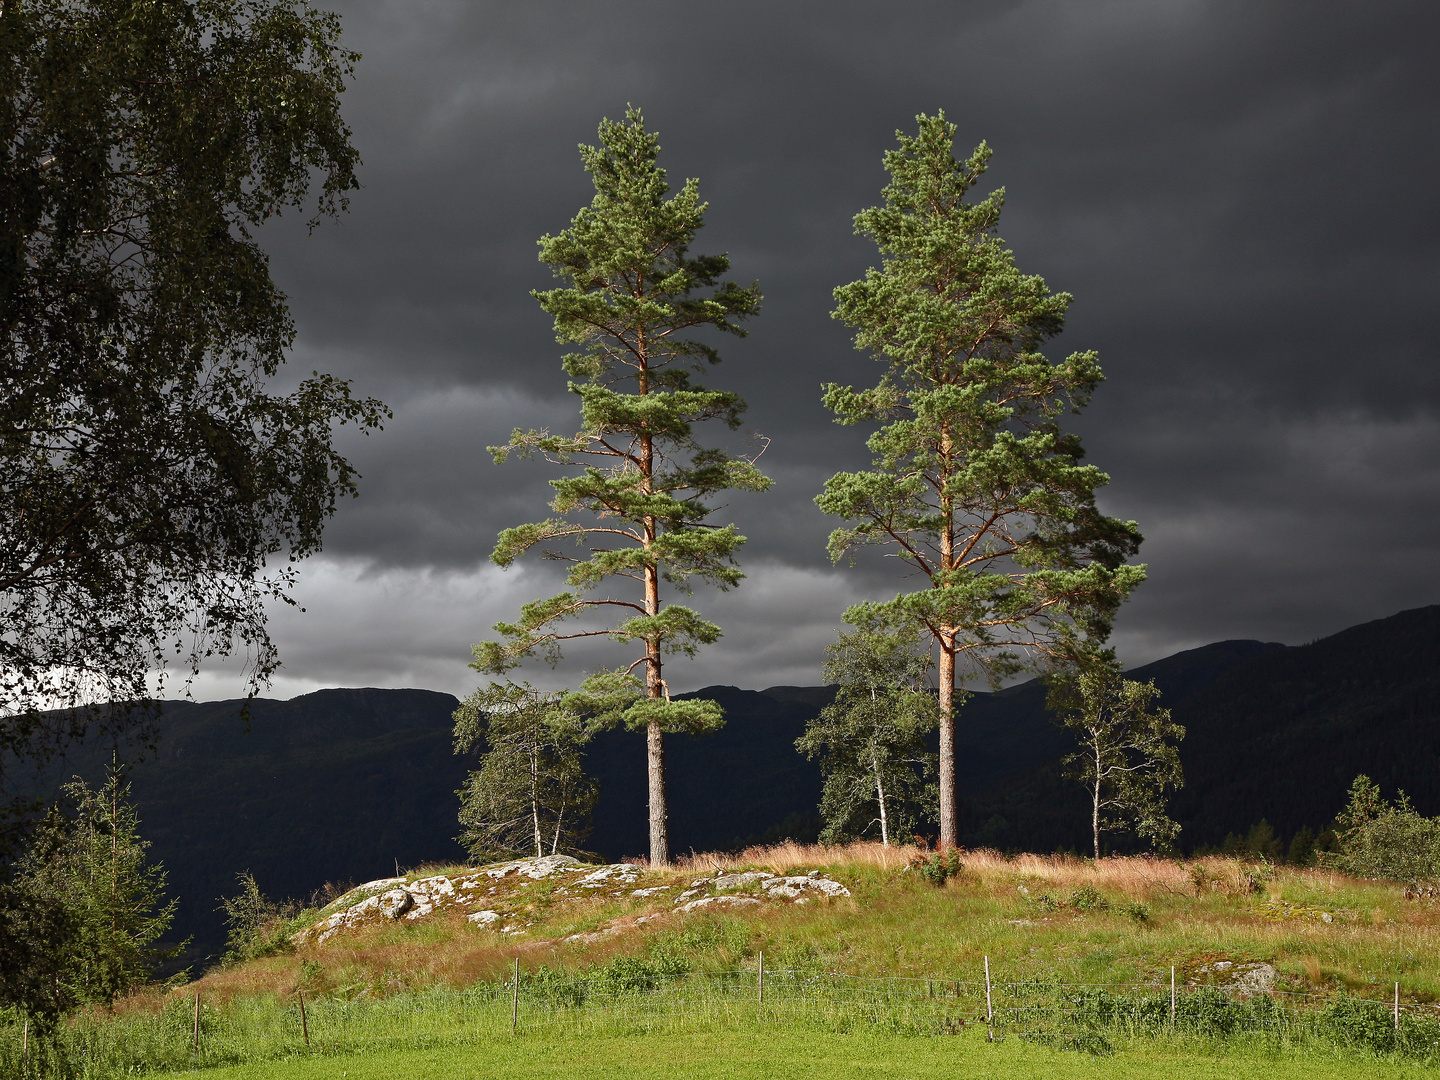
{"type": "Point", "coordinates": [1240, 197]}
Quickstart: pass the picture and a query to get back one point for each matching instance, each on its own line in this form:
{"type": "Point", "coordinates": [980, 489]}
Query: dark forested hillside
{"type": "Point", "coordinates": [1283, 738]}
{"type": "Point", "coordinates": [332, 786]}
{"type": "Point", "coordinates": [1279, 734]}
{"type": "Point", "coordinates": [341, 784]}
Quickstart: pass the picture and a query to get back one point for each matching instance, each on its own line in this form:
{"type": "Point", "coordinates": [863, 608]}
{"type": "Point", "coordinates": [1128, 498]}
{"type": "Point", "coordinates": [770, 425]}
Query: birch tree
{"type": "Point", "coordinates": [974, 486]}
{"type": "Point", "coordinates": [871, 738]}
{"type": "Point", "coordinates": [530, 794]}
{"type": "Point", "coordinates": [1128, 755]}
{"type": "Point", "coordinates": [638, 497]}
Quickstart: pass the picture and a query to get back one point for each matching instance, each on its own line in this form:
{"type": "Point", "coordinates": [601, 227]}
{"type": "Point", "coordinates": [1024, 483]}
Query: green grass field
{"type": "Point", "coordinates": [805, 1054]}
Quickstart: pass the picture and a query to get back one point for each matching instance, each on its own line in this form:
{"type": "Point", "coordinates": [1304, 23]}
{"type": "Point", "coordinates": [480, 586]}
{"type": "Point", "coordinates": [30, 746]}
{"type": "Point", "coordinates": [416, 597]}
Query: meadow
{"type": "Point", "coordinates": [887, 981]}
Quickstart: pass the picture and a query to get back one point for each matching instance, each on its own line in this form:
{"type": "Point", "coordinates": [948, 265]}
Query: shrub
{"type": "Point", "coordinates": [1136, 911]}
{"type": "Point", "coordinates": [257, 926]}
{"type": "Point", "coordinates": [1379, 839]}
{"type": "Point", "coordinates": [1086, 898]}
{"type": "Point", "coordinates": [938, 867]}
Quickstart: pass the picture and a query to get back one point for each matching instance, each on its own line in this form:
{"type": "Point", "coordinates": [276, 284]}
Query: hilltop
{"type": "Point", "coordinates": [865, 910]}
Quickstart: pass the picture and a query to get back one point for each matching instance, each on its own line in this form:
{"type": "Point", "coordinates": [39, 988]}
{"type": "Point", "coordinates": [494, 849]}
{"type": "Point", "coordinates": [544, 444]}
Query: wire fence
{"type": "Point", "coordinates": [631, 996]}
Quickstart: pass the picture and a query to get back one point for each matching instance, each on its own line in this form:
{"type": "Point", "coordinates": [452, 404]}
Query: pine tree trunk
{"type": "Point", "coordinates": [654, 682]}
{"type": "Point", "coordinates": [659, 816]}
{"type": "Point", "coordinates": [655, 734]}
{"type": "Point", "coordinates": [949, 809]}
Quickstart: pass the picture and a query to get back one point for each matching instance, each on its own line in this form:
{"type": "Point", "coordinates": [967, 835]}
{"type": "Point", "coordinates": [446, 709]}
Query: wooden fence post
{"type": "Point", "coordinates": [515, 1000]}
{"type": "Point", "coordinates": [989, 1006]}
{"type": "Point", "coordinates": [197, 1028]}
{"type": "Point", "coordinates": [304, 1026]}
{"type": "Point", "coordinates": [1172, 995]}
{"type": "Point", "coordinates": [1397, 1006]}
{"type": "Point", "coordinates": [760, 983]}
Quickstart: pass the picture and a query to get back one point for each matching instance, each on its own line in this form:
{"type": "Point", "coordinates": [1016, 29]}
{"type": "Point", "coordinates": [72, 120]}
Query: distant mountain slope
{"type": "Point", "coordinates": [725, 789]}
{"type": "Point", "coordinates": [1283, 736]}
{"type": "Point", "coordinates": [1279, 735]}
{"type": "Point", "coordinates": [332, 786]}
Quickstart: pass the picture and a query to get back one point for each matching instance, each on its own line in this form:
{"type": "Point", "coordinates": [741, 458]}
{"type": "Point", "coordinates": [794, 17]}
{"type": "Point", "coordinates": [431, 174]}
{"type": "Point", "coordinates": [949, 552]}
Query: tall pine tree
{"type": "Point", "coordinates": [974, 485]}
{"type": "Point", "coordinates": [639, 508]}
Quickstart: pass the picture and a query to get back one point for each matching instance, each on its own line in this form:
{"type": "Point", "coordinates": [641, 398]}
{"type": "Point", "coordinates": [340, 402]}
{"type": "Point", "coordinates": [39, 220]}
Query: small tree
{"type": "Point", "coordinates": [113, 895]}
{"type": "Point", "coordinates": [1380, 839]}
{"type": "Point", "coordinates": [256, 926]}
{"type": "Point", "coordinates": [632, 291]}
{"type": "Point", "coordinates": [1128, 755]}
{"type": "Point", "coordinates": [530, 792]}
{"type": "Point", "coordinates": [871, 738]}
{"type": "Point", "coordinates": [974, 486]}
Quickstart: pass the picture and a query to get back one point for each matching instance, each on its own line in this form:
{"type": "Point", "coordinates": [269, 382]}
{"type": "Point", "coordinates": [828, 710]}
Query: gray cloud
{"type": "Point", "coordinates": [1240, 197]}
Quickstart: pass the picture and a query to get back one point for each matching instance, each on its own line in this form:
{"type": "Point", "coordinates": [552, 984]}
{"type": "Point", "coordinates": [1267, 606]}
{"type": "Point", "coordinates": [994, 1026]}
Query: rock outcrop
{"type": "Point", "coordinates": [495, 897]}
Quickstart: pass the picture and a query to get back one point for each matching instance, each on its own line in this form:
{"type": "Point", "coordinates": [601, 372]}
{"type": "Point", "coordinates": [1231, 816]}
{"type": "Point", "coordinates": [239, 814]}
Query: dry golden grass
{"type": "Point", "coordinates": [788, 855]}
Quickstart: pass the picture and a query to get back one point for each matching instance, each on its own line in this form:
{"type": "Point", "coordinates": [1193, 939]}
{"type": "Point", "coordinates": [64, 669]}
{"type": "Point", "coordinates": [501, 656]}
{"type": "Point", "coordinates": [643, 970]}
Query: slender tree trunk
{"type": "Point", "coordinates": [880, 797]}
{"type": "Point", "coordinates": [654, 733]}
{"type": "Point", "coordinates": [535, 804]}
{"type": "Point", "coordinates": [659, 815]}
{"type": "Point", "coordinates": [949, 810]}
{"type": "Point", "coordinates": [1095, 808]}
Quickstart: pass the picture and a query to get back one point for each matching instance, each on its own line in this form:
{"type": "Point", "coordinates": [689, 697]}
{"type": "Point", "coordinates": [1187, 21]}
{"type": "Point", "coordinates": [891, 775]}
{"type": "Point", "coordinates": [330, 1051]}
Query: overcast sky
{"type": "Point", "coordinates": [1240, 196]}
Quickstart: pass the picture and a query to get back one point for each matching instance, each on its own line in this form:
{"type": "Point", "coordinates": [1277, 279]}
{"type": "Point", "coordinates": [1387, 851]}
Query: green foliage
{"type": "Point", "coordinates": [530, 795]}
{"type": "Point", "coordinates": [146, 476]}
{"type": "Point", "coordinates": [974, 485]}
{"type": "Point", "coordinates": [645, 492]}
{"type": "Point", "coordinates": [1370, 1026]}
{"type": "Point", "coordinates": [871, 738]}
{"type": "Point", "coordinates": [1128, 755]}
{"type": "Point", "coordinates": [1086, 899]}
{"type": "Point", "coordinates": [938, 867]}
{"type": "Point", "coordinates": [95, 863]}
{"type": "Point", "coordinates": [1135, 911]}
{"type": "Point", "coordinates": [1379, 839]}
{"type": "Point", "coordinates": [258, 926]}
{"type": "Point", "coordinates": [1259, 842]}
{"type": "Point", "coordinates": [36, 927]}
{"type": "Point", "coordinates": [1302, 847]}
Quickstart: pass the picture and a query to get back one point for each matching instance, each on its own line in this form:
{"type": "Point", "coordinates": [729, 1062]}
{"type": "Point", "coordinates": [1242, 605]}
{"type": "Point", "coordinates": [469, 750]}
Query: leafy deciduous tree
{"type": "Point", "coordinates": [1128, 755]}
{"type": "Point", "coordinates": [974, 485]}
{"type": "Point", "coordinates": [871, 738]}
{"type": "Point", "coordinates": [530, 792]}
{"type": "Point", "coordinates": [1381, 839]}
{"type": "Point", "coordinates": [645, 493]}
{"type": "Point", "coordinates": [146, 476]}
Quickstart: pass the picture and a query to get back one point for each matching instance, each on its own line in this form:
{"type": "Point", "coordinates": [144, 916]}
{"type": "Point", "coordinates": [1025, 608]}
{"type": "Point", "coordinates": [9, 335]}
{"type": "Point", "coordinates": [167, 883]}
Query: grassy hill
{"type": "Point", "coordinates": [1264, 967]}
